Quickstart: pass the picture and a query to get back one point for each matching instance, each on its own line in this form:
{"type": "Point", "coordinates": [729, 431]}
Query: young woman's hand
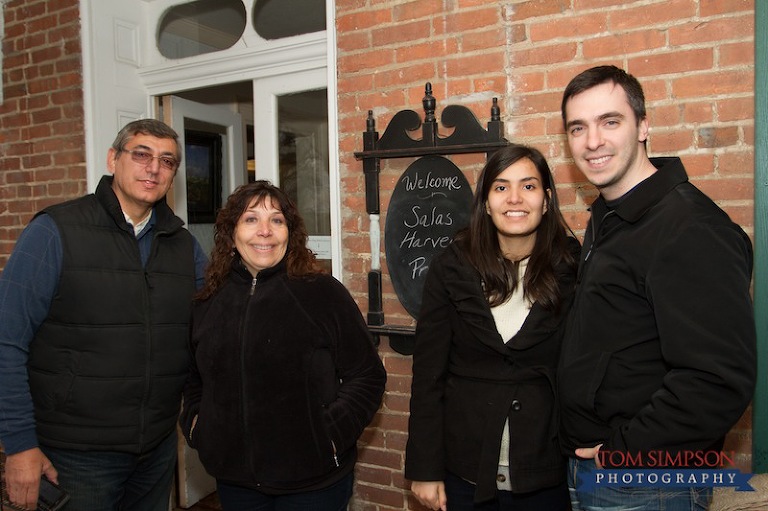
{"type": "Point", "coordinates": [430, 494]}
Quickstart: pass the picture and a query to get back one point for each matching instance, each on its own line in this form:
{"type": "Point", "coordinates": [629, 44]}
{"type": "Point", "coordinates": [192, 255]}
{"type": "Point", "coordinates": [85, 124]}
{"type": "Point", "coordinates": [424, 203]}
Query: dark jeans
{"type": "Point", "coordinates": [632, 499]}
{"type": "Point", "coordinates": [333, 498]}
{"type": "Point", "coordinates": [116, 481]}
{"type": "Point", "coordinates": [461, 495]}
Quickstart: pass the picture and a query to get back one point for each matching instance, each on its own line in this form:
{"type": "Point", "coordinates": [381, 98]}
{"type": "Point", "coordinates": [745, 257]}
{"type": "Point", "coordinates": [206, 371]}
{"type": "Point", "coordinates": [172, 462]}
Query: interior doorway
{"type": "Point", "coordinates": [282, 136]}
{"type": "Point", "coordinates": [213, 135]}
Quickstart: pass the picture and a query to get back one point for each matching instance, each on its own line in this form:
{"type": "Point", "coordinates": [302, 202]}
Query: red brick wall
{"type": "Point", "coordinates": [41, 117]}
{"type": "Point", "coordinates": [694, 58]}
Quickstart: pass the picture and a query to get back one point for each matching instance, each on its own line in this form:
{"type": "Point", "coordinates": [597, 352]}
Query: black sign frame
{"type": "Point", "coordinates": [468, 136]}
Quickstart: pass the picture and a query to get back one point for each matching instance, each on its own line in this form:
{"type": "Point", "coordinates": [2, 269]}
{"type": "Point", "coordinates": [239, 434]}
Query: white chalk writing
{"type": "Point", "coordinates": [430, 181]}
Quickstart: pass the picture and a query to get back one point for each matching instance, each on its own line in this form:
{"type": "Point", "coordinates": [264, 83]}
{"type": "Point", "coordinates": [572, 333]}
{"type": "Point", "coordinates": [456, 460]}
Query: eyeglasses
{"type": "Point", "coordinates": [145, 158]}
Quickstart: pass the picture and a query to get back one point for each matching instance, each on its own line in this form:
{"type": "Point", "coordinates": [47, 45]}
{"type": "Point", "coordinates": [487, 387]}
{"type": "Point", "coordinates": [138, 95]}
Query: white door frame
{"type": "Point", "coordinates": [265, 95]}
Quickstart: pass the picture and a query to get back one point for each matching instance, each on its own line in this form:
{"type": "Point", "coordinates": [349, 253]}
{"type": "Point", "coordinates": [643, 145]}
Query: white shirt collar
{"type": "Point", "coordinates": [139, 226]}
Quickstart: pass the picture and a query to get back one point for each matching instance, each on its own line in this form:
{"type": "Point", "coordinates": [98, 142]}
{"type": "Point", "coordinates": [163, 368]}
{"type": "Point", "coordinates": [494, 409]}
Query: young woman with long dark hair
{"type": "Point", "coordinates": [483, 424]}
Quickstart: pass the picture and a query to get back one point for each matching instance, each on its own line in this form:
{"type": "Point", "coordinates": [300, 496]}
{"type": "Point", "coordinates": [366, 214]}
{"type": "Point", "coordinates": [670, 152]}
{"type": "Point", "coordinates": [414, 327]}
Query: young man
{"type": "Point", "coordinates": [94, 310]}
{"type": "Point", "coordinates": [659, 350]}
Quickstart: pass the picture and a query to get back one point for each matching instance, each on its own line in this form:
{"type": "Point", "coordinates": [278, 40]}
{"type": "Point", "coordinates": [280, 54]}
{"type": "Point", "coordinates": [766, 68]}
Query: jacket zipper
{"type": "Point", "coordinates": [243, 407]}
{"type": "Point", "coordinates": [150, 340]}
{"type": "Point", "coordinates": [595, 233]}
{"type": "Point", "coordinates": [242, 381]}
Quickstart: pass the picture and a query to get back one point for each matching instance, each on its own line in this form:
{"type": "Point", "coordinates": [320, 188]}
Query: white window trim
{"type": "Point", "coordinates": [333, 138]}
{"type": "Point", "coordinates": [304, 53]}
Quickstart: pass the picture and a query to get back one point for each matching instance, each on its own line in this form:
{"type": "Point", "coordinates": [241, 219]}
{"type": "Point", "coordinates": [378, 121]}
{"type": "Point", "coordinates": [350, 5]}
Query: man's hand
{"type": "Point", "coordinates": [22, 476]}
{"type": "Point", "coordinates": [590, 452]}
{"type": "Point", "coordinates": [430, 494]}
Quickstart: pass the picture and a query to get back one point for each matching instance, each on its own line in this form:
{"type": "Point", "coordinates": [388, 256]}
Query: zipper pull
{"type": "Point", "coordinates": [335, 458]}
{"type": "Point", "coordinates": [253, 285]}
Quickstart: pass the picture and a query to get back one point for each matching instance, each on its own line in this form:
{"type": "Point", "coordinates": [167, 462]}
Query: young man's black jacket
{"type": "Point", "coordinates": [467, 381]}
{"type": "Point", "coordinates": [285, 378]}
{"type": "Point", "coordinates": [659, 352]}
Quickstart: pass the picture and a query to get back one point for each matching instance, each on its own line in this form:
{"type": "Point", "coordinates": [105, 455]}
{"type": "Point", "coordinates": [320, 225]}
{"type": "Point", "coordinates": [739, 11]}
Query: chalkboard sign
{"type": "Point", "coordinates": [430, 204]}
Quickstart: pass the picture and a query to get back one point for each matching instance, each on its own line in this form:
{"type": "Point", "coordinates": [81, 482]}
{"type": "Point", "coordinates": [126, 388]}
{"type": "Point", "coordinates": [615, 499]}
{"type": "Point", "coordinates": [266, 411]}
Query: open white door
{"type": "Point", "coordinates": [223, 125]}
{"type": "Point", "coordinates": [187, 116]}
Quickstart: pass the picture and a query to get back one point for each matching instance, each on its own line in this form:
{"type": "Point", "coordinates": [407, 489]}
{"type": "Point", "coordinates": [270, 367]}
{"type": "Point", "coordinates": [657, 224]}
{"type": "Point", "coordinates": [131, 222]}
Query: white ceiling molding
{"type": "Point", "coordinates": [305, 52]}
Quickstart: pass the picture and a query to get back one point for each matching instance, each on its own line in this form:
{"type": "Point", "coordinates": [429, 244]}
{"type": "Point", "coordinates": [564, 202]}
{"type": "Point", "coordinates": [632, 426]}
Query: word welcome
{"type": "Point", "coordinates": [431, 182]}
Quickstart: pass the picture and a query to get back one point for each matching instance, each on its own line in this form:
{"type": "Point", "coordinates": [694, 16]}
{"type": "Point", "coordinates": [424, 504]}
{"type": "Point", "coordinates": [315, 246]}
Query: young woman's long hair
{"type": "Point", "coordinates": [480, 240]}
{"type": "Point", "coordinates": [299, 259]}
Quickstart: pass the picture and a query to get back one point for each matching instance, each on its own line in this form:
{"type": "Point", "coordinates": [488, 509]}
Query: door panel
{"type": "Point", "coordinates": [188, 116]}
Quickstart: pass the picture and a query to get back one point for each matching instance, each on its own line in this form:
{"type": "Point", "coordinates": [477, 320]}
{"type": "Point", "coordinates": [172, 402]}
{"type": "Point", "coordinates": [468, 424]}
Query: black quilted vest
{"type": "Point", "coordinates": [107, 366]}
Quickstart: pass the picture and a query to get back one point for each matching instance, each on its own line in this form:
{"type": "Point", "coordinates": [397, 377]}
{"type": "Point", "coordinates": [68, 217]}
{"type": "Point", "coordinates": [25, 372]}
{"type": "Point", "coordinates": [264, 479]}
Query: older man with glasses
{"type": "Point", "coordinates": [94, 310]}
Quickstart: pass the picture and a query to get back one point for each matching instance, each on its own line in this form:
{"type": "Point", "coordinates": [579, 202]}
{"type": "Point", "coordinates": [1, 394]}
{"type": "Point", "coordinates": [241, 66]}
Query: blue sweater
{"type": "Point", "coordinates": [27, 285]}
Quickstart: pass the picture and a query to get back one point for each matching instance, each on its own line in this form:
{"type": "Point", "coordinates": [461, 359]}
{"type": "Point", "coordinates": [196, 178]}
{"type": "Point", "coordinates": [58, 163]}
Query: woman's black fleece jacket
{"type": "Point", "coordinates": [284, 379]}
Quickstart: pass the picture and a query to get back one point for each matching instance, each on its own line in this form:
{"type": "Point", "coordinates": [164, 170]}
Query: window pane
{"type": "Point", "coordinates": [274, 19]}
{"type": "Point", "coordinates": [200, 27]}
{"type": "Point", "coordinates": [303, 150]}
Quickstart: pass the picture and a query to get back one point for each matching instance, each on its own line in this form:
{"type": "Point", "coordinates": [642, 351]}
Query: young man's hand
{"type": "Point", "coordinates": [590, 452]}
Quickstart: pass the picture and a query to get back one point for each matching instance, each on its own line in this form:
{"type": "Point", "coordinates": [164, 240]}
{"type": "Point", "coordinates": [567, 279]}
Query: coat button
{"type": "Point", "coordinates": [516, 405]}
{"type": "Point", "coordinates": [501, 478]}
